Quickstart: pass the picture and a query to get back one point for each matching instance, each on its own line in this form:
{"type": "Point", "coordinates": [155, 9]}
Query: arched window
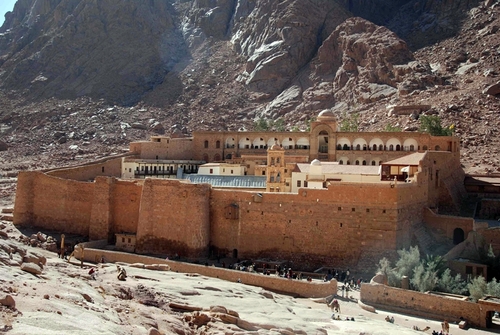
{"type": "Point", "coordinates": [348, 163]}
{"type": "Point", "coordinates": [217, 158]}
{"type": "Point", "coordinates": [379, 162]}
{"type": "Point", "coordinates": [364, 146]}
{"type": "Point", "coordinates": [339, 146]}
{"type": "Point", "coordinates": [391, 147]}
{"type": "Point", "coordinates": [278, 178]}
{"type": "Point", "coordinates": [217, 144]}
{"type": "Point", "coordinates": [206, 144]}
{"type": "Point", "coordinates": [437, 148]}
{"type": "Point", "coordinates": [345, 147]}
{"type": "Point", "coordinates": [374, 147]}
{"type": "Point", "coordinates": [341, 162]}
{"type": "Point", "coordinates": [373, 163]}
{"type": "Point", "coordinates": [358, 147]}
{"type": "Point", "coordinates": [398, 147]}
{"type": "Point", "coordinates": [412, 147]}
{"type": "Point", "coordinates": [364, 162]}
{"type": "Point", "coordinates": [424, 147]}
{"type": "Point", "coordinates": [205, 157]}
{"type": "Point", "coordinates": [381, 147]}
{"type": "Point", "coordinates": [357, 162]}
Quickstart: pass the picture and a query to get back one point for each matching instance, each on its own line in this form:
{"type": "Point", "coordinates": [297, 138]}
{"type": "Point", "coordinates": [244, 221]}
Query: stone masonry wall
{"type": "Point", "coordinates": [423, 304]}
{"type": "Point", "coordinates": [110, 167]}
{"type": "Point", "coordinates": [315, 227]}
{"type": "Point", "coordinates": [53, 203]}
{"type": "Point", "coordinates": [174, 217]}
{"type": "Point", "coordinates": [445, 225]}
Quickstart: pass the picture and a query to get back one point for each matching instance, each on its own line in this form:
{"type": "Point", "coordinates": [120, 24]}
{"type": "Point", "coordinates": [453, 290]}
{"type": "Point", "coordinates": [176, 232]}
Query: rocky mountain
{"type": "Point", "coordinates": [80, 79]}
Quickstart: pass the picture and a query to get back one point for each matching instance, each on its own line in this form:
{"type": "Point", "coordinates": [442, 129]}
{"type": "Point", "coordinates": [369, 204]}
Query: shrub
{"type": "Point", "coordinates": [477, 288]}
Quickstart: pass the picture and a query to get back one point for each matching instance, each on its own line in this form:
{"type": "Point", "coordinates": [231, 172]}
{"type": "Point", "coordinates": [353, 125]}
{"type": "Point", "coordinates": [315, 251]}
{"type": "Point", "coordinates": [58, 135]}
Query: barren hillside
{"type": "Point", "coordinates": [81, 79]}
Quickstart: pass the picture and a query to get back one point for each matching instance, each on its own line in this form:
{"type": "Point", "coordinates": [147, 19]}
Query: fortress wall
{"type": "Point", "coordinates": [126, 201]}
{"type": "Point", "coordinates": [438, 307]}
{"type": "Point", "coordinates": [303, 288]}
{"type": "Point", "coordinates": [174, 217]}
{"type": "Point", "coordinates": [446, 224]}
{"type": "Point", "coordinates": [110, 167]}
{"type": "Point", "coordinates": [23, 205]}
{"type": "Point", "coordinates": [308, 227]}
{"type": "Point", "coordinates": [53, 203]}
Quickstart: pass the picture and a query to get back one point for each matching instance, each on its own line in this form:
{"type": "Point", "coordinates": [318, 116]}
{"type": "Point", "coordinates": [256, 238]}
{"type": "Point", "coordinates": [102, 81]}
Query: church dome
{"type": "Point", "coordinates": [275, 146]}
{"type": "Point", "coordinates": [316, 162]}
{"type": "Point", "coordinates": [327, 115]}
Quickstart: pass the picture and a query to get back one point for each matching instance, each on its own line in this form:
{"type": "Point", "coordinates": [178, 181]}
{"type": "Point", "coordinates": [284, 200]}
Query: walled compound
{"type": "Point", "coordinates": [355, 196]}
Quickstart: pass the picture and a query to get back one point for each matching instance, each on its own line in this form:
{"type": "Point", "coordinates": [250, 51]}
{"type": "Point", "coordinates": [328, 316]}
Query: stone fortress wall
{"type": "Point", "coordinates": [344, 225]}
{"type": "Point", "coordinates": [338, 226]}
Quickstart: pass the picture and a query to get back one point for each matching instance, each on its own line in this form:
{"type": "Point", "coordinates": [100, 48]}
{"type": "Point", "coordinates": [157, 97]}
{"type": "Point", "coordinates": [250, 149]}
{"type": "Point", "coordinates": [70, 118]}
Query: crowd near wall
{"type": "Point", "coordinates": [302, 288]}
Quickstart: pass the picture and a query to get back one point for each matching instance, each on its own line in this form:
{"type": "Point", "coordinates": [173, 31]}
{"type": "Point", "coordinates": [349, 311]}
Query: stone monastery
{"type": "Point", "coordinates": [323, 198]}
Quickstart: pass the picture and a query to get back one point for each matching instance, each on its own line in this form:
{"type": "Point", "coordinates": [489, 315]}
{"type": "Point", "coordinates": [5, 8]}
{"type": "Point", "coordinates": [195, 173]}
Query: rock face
{"type": "Point", "coordinates": [95, 48]}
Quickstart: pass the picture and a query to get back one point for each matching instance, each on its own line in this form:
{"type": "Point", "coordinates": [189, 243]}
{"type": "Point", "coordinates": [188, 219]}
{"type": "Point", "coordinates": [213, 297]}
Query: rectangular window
{"type": "Point", "coordinates": [211, 171]}
{"type": "Point", "coordinates": [306, 183]}
{"type": "Point", "coordinates": [123, 239]}
{"type": "Point", "coordinates": [130, 170]}
{"type": "Point", "coordinates": [129, 240]}
{"type": "Point", "coordinates": [231, 171]}
{"type": "Point", "coordinates": [468, 270]}
{"type": "Point", "coordinates": [339, 209]}
{"type": "Point", "coordinates": [299, 183]}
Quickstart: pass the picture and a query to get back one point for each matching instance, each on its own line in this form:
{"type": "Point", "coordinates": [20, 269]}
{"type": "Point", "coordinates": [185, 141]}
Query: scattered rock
{"type": "Point", "coordinates": [8, 301]}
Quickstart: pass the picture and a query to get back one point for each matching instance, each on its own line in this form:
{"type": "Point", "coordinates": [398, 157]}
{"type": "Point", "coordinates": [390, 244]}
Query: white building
{"type": "Point", "coordinates": [222, 169]}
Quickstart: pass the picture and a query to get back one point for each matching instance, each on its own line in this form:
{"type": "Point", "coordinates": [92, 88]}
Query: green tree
{"type": "Point", "coordinates": [261, 125]}
{"type": "Point", "coordinates": [432, 124]}
{"type": "Point", "coordinates": [279, 125]}
{"type": "Point", "coordinates": [350, 122]}
{"type": "Point", "coordinates": [408, 260]}
{"type": "Point", "coordinates": [425, 278]}
{"type": "Point", "coordinates": [477, 288]}
{"type": "Point", "coordinates": [493, 288]}
{"type": "Point", "coordinates": [448, 283]}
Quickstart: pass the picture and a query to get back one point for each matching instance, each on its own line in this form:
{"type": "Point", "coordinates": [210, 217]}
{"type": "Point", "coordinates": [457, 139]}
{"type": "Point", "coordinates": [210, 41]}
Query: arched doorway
{"type": "Point", "coordinates": [458, 235]}
{"type": "Point", "coordinates": [323, 142]}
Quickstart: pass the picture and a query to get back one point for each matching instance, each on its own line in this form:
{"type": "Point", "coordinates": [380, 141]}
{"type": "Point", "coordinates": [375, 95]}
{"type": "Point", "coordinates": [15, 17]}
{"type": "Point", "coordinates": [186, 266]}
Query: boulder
{"type": "Point", "coordinates": [8, 301]}
{"type": "Point", "coordinates": [31, 268]}
{"type": "Point", "coordinates": [154, 331]}
{"type": "Point", "coordinates": [492, 89]}
{"type": "Point", "coordinates": [218, 309]}
{"type": "Point", "coordinates": [34, 257]}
